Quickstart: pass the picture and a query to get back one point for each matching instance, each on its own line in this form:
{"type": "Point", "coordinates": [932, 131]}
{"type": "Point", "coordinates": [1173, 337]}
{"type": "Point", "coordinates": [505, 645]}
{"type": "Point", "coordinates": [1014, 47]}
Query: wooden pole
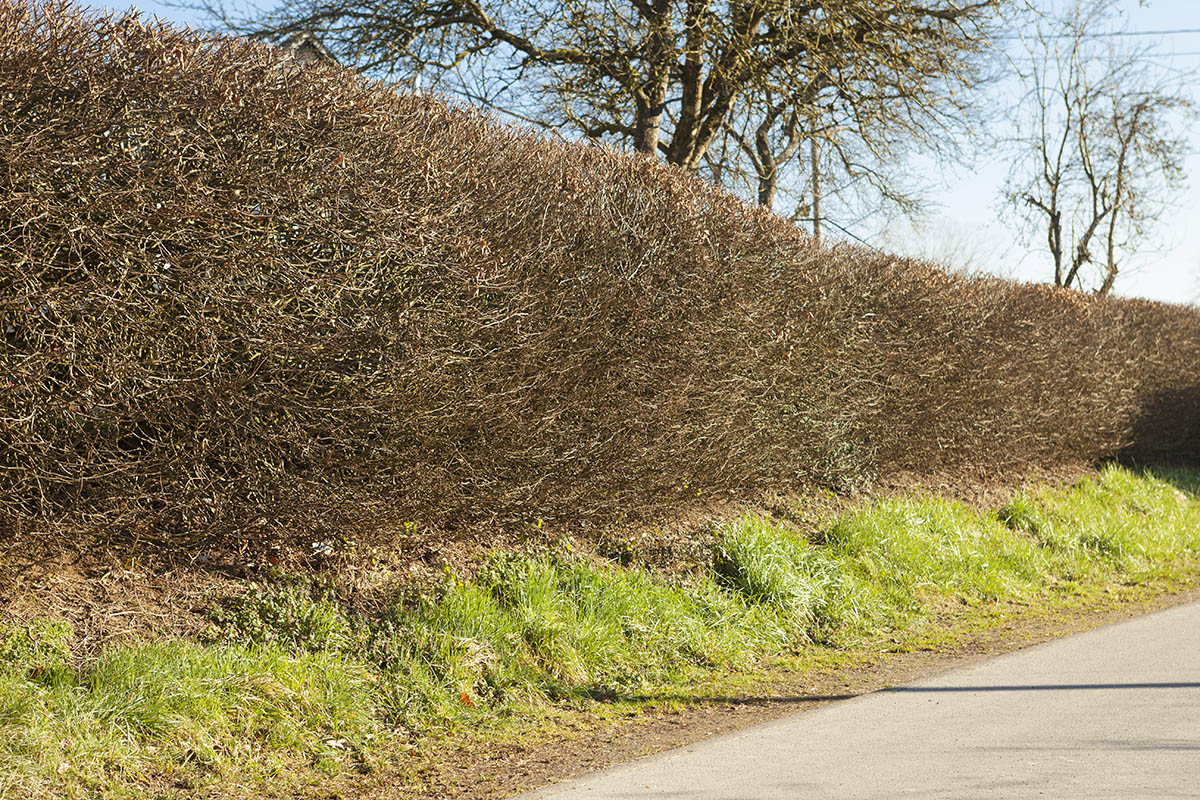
{"type": "Point", "coordinates": [815, 152]}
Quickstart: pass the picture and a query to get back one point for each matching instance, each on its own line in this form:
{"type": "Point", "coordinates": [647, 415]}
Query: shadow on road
{"type": "Point", "coordinates": [827, 698]}
{"type": "Point", "coordinates": [1044, 687]}
{"type": "Point", "coordinates": [731, 701]}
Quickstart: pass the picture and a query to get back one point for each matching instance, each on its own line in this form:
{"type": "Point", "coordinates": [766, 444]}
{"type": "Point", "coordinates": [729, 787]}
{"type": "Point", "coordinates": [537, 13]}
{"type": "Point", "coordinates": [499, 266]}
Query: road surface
{"type": "Point", "coordinates": [1114, 712]}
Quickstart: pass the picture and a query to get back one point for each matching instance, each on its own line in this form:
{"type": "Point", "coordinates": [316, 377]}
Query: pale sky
{"type": "Point", "coordinates": [964, 228]}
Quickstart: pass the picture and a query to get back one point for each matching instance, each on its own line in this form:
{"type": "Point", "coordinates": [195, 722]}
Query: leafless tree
{"type": "Point", "coordinates": [1099, 151]}
{"type": "Point", "coordinates": [816, 153]}
{"type": "Point", "coordinates": [665, 77]}
{"type": "Point", "coordinates": [846, 139]}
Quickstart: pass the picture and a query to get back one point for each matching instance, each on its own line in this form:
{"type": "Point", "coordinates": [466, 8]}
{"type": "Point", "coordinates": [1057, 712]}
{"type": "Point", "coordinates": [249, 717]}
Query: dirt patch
{"type": "Point", "coordinates": [112, 589]}
{"type": "Point", "coordinates": [106, 597]}
{"type": "Point", "coordinates": [584, 743]}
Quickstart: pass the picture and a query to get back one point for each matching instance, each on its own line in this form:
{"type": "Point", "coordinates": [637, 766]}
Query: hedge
{"type": "Point", "coordinates": [243, 300]}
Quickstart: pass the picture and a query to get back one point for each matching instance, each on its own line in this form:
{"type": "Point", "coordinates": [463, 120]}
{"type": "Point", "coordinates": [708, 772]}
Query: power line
{"type": "Point", "coordinates": [828, 221]}
{"type": "Point", "coordinates": [1146, 54]}
{"type": "Point", "coordinates": [1149, 54]}
{"type": "Point", "coordinates": [1105, 35]}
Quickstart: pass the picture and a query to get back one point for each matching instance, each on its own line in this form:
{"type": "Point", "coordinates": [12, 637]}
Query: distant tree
{"type": "Point", "coordinates": [664, 77]}
{"type": "Point", "coordinates": [1098, 154]}
{"type": "Point", "coordinates": [952, 245]}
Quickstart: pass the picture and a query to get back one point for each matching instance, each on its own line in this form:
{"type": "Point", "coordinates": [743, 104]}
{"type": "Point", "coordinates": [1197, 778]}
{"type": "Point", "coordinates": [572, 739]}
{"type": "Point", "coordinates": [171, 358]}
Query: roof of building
{"type": "Point", "coordinates": [306, 47]}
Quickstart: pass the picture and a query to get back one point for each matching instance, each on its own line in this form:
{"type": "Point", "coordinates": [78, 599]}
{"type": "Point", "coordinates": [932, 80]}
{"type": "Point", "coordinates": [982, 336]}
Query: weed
{"type": "Point", "coordinates": [293, 616]}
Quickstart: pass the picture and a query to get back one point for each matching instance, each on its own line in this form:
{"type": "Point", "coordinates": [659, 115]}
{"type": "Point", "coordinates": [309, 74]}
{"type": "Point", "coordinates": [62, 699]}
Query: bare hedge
{"type": "Point", "coordinates": [245, 300]}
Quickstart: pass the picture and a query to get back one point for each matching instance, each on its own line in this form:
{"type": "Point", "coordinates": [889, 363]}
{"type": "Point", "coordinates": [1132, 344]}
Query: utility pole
{"type": "Point", "coordinates": [815, 152]}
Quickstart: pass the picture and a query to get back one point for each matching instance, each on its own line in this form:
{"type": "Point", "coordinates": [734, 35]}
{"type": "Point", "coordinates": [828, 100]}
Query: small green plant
{"type": "Point", "coordinates": [1021, 513]}
{"type": "Point", "coordinates": [293, 616]}
{"type": "Point", "coordinates": [40, 649]}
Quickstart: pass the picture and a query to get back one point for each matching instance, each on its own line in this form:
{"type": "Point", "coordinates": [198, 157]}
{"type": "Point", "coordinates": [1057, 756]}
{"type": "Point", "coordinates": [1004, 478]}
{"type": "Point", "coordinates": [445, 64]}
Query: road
{"type": "Point", "coordinates": [1114, 712]}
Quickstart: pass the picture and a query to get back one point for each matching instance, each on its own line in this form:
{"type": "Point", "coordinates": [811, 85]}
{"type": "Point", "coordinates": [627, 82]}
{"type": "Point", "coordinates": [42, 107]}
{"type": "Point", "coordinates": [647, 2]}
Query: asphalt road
{"type": "Point", "coordinates": [1114, 712]}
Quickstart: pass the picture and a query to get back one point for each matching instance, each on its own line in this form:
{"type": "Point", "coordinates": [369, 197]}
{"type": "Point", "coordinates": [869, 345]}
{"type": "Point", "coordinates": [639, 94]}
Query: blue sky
{"type": "Point", "coordinates": [964, 229]}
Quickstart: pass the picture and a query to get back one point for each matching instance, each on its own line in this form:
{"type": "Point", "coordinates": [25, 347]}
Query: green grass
{"type": "Point", "coordinates": [289, 684]}
{"type": "Point", "coordinates": [175, 710]}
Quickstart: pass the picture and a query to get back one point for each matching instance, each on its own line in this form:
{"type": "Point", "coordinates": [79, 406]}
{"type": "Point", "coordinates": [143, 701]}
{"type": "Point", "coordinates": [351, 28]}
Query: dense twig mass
{"type": "Point", "coordinates": [245, 300]}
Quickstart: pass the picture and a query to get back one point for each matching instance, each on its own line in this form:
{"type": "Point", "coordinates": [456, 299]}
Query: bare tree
{"type": "Point", "coordinates": [774, 141]}
{"type": "Point", "coordinates": [661, 76]}
{"type": "Point", "coordinates": [1098, 153]}
{"type": "Point", "coordinates": [840, 153]}
{"type": "Point", "coordinates": [844, 140]}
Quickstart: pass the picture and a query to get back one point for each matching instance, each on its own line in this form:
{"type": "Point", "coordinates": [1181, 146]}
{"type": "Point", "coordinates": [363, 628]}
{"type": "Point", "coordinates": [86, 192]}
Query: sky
{"type": "Point", "coordinates": [964, 227]}
{"type": "Point", "coordinates": [967, 227]}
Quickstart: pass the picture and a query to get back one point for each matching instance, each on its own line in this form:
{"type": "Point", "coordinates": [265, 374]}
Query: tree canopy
{"type": "Point", "coordinates": [665, 77]}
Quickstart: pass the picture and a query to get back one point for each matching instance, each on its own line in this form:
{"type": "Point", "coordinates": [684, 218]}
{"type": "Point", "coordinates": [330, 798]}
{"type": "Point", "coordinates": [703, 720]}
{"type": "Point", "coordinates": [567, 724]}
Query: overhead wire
{"type": "Point", "coordinates": [1103, 35]}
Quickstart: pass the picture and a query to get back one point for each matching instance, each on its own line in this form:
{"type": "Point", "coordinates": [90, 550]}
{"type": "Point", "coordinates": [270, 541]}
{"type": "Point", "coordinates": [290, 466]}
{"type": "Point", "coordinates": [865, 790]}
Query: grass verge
{"type": "Point", "coordinates": [289, 687]}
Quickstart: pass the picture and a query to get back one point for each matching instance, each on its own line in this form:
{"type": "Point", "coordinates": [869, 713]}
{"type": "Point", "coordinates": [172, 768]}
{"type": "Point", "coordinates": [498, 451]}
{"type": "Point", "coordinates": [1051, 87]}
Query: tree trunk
{"type": "Point", "coordinates": [682, 151]}
{"type": "Point", "coordinates": [768, 185]}
{"type": "Point", "coordinates": [648, 124]}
